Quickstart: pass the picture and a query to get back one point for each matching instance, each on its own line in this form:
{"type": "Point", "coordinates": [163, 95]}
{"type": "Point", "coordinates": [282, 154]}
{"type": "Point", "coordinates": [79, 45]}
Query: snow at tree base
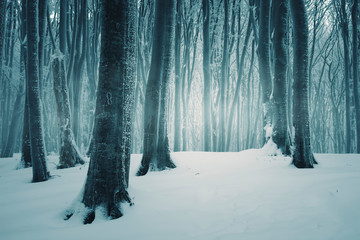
{"type": "Point", "coordinates": [246, 195]}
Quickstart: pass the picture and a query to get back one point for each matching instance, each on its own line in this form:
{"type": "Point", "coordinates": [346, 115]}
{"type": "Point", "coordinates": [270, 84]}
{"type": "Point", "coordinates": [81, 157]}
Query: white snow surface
{"type": "Point", "coordinates": [247, 195]}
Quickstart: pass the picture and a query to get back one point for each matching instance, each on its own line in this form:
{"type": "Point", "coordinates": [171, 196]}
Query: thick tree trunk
{"type": "Point", "coordinates": [355, 17]}
{"type": "Point", "coordinates": [37, 146]}
{"type": "Point", "coordinates": [264, 61]}
{"type": "Point", "coordinates": [107, 180]}
{"type": "Point", "coordinates": [156, 155]}
{"type": "Point", "coordinates": [302, 153]}
{"type": "Point", "coordinates": [280, 124]}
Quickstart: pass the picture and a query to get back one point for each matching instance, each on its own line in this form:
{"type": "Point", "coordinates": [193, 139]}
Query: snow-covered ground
{"type": "Point", "coordinates": [246, 195]}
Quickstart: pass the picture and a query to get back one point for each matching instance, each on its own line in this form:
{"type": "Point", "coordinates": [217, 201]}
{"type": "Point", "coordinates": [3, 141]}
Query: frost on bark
{"type": "Point", "coordinates": [156, 154]}
{"type": "Point", "coordinates": [280, 133]}
{"type": "Point", "coordinates": [302, 153]}
{"type": "Point", "coordinates": [37, 146]}
{"type": "Point", "coordinates": [107, 179]}
{"type": "Point", "coordinates": [69, 154]}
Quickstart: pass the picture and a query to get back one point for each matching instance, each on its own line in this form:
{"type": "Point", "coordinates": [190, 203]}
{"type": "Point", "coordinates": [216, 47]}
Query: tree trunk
{"type": "Point", "coordinates": [280, 133]}
{"type": "Point", "coordinates": [37, 146]}
{"type": "Point", "coordinates": [107, 180]}
{"type": "Point", "coordinates": [225, 69]}
{"type": "Point", "coordinates": [345, 37]}
{"type": "Point", "coordinates": [264, 61]}
{"type": "Point", "coordinates": [354, 16]}
{"type": "Point", "coordinates": [177, 117]}
{"type": "Point", "coordinates": [207, 77]}
{"type": "Point", "coordinates": [302, 154]}
{"type": "Point", "coordinates": [69, 153]}
{"type": "Point", "coordinates": [156, 155]}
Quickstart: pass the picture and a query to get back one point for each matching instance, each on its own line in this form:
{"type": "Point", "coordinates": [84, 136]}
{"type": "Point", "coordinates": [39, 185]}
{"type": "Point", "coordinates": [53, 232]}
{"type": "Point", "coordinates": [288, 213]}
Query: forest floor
{"type": "Point", "coordinates": [246, 195]}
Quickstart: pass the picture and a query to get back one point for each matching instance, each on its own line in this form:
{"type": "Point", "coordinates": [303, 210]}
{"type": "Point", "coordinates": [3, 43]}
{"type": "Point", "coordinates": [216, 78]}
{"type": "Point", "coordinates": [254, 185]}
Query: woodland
{"type": "Point", "coordinates": [106, 79]}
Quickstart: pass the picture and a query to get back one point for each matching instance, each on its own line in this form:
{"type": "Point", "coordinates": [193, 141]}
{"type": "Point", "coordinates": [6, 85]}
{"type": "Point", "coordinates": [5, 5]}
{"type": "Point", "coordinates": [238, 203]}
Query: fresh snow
{"type": "Point", "coordinates": [247, 195]}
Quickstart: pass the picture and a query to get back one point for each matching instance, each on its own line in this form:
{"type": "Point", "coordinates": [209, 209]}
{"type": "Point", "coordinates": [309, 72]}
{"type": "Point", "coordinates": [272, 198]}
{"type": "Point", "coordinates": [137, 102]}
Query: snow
{"type": "Point", "coordinates": [247, 195]}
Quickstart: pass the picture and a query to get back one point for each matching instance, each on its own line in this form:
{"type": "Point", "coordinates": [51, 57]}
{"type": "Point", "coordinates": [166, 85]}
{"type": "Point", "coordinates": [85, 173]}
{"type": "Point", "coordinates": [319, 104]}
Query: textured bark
{"type": "Point", "coordinates": [156, 154]}
{"type": "Point", "coordinates": [280, 124]}
{"type": "Point", "coordinates": [69, 153]}
{"type": "Point", "coordinates": [207, 77]}
{"type": "Point", "coordinates": [107, 180]}
{"type": "Point", "coordinates": [302, 153]}
{"type": "Point", "coordinates": [37, 146]}
{"type": "Point", "coordinates": [355, 18]}
{"type": "Point", "coordinates": [264, 59]}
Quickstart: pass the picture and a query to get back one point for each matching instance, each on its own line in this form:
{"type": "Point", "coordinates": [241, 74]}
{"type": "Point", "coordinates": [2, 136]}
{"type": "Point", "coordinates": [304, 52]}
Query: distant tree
{"type": "Point", "coordinates": [37, 146]}
{"type": "Point", "coordinates": [156, 153]}
{"type": "Point", "coordinates": [264, 59]}
{"type": "Point", "coordinates": [302, 153]}
{"type": "Point", "coordinates": [25, 148]}
{"type": "Point", "coordinates": [69, 153]}
{"type": "Point", "coordinates": [108, 175]}
{"type": "Point", "coordinates": [2, 30]}
{"type": "Point", "coordinates": [207, 76]}
{"type": "Point", "coordinates": [177, 106]}
{"type": "Point", "coordinates": [280, 124]}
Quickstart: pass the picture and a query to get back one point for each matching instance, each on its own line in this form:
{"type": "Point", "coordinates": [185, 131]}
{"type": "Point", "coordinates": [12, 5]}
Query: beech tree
{"type": "Point", "coordinates": [108, 175]}
{"type": "Point", "coordinates": [156, 153]}
{"type": "Point", "coordinates": [69, 153]}
{"type": "Point", "coordinates": [37, 145]}
{"type": "Point", "coordinates": [280, 124]}
{"type": "Point", "coordinates": [302, 153]}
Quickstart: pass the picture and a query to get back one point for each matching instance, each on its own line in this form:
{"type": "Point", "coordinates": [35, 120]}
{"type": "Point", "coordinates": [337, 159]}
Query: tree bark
{"type": "Point", "coordinates": [37, 146]}
{"type": "Point", "coordinates": [354, 16]}
{"type": "Point", "coordinates": [156, 154]}
{"type": "Point", "coordinates": [302, 153]}
{"type": "Point", "coordinates": [107, 180]}
{"type": "Point", "coordinates": [280, 133]}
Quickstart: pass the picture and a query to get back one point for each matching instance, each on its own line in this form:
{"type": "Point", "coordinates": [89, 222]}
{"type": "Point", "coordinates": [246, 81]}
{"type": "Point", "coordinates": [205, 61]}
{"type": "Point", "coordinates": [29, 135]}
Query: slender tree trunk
{"type": "Point", "coordinates": [345, 37]}
{"type": "Point", "coordinates": [207, 77]}
{"type": "Point", "coordinates": [280, 124]}
{"type": "Point", "coordinates": [223, 81]}
{"type": "Point", "coordinates": [177, 117]}
{"type": "Point", "coordinates": [240, 69]}
{"type": "Point", "coordinates": [355, 17]}
{"type": "Point", "coordinates": [37, 145]}
{"type": "Point", "coordinates": [156, 155]}
{"type": "Point", "coordinates": [302, 154]}
{"type": "Point", "coordinates": [264, 60]}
